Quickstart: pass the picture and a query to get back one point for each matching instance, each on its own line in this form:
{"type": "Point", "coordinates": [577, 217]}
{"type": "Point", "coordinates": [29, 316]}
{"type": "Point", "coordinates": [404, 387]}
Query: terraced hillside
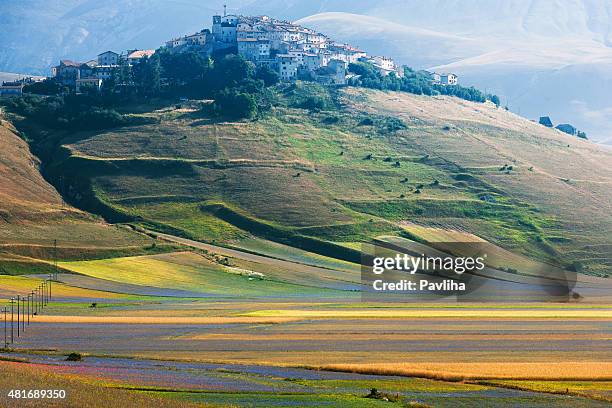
{"type": "Point", "coordinates": [33, 215]}
{"type": "Point", "coordinates": [376, 163]}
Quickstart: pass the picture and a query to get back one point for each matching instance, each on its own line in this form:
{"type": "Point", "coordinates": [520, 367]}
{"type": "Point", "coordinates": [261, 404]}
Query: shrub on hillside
{"type": "Point", "coordinates": [236, 105]}
{"type": "Point", "coordinates": [95, 119]}
{"type": "Point", "coordinates": [314, 103]}
{"type": "Point", "coordinates": [366, 122]}
{"type": "Point", "coordinates": [74, 357]}
{"type": "Point", "coordinates": [308, 95]}
{"type": "Point", "coordinates": [330, 120]}
{"type": "Point", "coordinates": [391, 124]}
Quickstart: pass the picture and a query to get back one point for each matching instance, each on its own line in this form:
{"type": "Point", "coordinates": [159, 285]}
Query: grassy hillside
{"type": "Point", "coordinates": [33, 215]}
{"type": "Point", "coordinates": [191, 272]}
{"type": "Point", "coordinates": [23, 192]}
{"type": "Point", "coordinates": [372, 163]}
{"type": "Point", "coordinates": [558, 188]}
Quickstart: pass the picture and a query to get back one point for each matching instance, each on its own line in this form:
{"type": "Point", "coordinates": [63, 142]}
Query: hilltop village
{"type": "Point", "coordinates": [290, 51]}
{"type": "Point", "coordinates": [294, 52]}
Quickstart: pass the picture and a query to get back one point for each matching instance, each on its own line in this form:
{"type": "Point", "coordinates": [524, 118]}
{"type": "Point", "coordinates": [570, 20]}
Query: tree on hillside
{"type": "Point", "coordinates": [147, 74]}
{"type": "Point", "coordinates": [122, 74]}
{"type": "Point", "coordinates": [182, 68]}
{"type": "Point", "coordinates": [364, 69]}
{"type": "Point", "coordinates": [314, 103]}
{"type": "Point", "coordinates": [47, 87]}
{"type": "Point", "coordinates": [494, 99]}
{"type": "Point", "coordinates": [236, 105]}
{"type": "Point", "coordinates": [268, 75]}
{"type": "Point", "coordinates": [231, 70]}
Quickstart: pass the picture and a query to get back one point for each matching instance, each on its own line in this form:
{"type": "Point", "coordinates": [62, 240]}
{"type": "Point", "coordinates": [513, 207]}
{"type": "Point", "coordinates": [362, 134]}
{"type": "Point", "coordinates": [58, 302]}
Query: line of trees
{"type": "Point", "coordinates": [416, 82]}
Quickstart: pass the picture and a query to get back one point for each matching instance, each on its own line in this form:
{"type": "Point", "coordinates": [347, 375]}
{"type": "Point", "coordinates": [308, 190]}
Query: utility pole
{"type": "Point", "coordinates": [33, 298]}
{"type": "Point", "coordinates": [28, 309]}
{"type": "Point", "coordinates": [18, 301]}
{"type": "Point", "coordinates": [5, 312]}
{"type": "Point", "coordinates": [12, 303]}
{"type": "Point", "coordinates": [23, 314]}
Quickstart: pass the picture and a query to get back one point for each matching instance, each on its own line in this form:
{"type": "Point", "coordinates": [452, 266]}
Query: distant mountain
{"type": "Point", "coordinates": [8, 76]}
{"type": "Point", "coordinates": [37, 33]}
{"type": "Point", "coordinates": [542, 57]}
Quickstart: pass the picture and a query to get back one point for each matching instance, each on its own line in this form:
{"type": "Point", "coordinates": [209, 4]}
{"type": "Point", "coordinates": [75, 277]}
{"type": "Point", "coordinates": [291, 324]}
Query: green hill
{"type": "Point", "coordinates": [373, 163]}
{"type": "Point", "coordinates": [33, 215]}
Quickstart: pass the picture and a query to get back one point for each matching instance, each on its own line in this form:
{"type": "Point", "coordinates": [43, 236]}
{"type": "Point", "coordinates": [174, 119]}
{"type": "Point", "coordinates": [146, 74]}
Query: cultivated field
{"type": "Point", "coordinates": [206, 333]}
{"type": "Point", "coordinates": [249, 353]}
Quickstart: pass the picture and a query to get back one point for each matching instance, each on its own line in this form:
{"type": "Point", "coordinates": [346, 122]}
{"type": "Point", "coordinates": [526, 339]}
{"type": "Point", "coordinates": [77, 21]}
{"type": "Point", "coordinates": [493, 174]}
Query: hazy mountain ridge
{"type": "Point", "coordinates": [80, 28]}
{"type": "Point", "coordinates": [9, 76]}
{"type": "Point", "coordinates": [42, 32]}
{"type": "Point", "coordinates": [542, 60]}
